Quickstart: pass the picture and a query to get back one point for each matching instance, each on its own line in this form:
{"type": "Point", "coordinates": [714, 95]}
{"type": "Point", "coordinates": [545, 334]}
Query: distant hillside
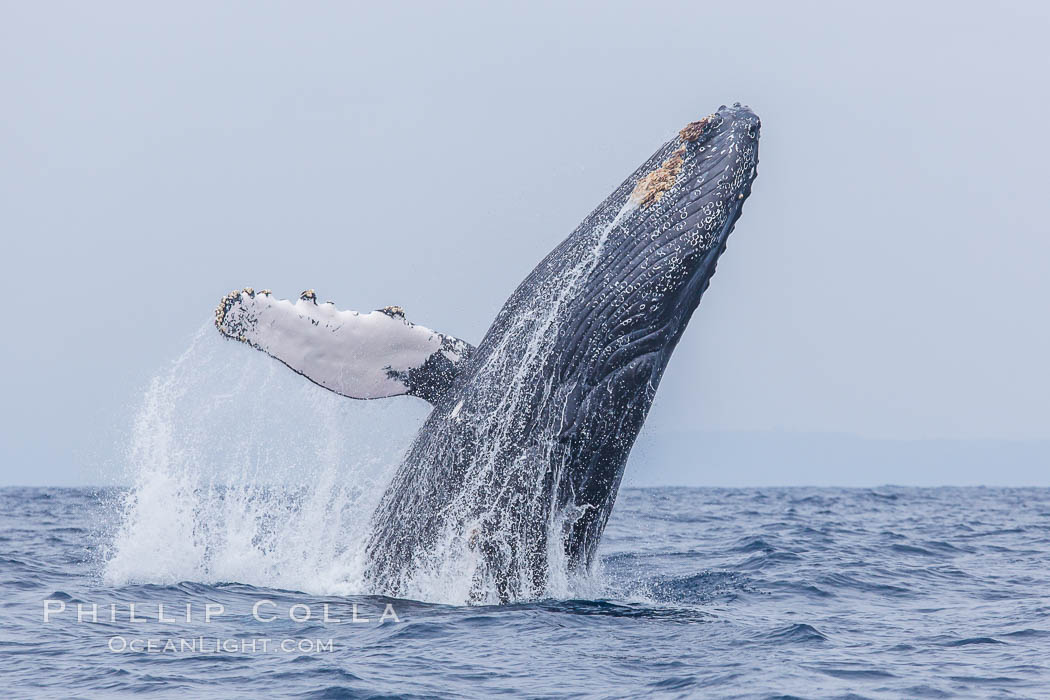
{"type": "Point", "coordinates": [823, 459]}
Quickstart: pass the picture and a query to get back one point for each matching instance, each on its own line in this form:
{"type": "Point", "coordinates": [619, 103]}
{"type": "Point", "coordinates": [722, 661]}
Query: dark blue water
{"type": "Point", "coordinates": [891, 592]}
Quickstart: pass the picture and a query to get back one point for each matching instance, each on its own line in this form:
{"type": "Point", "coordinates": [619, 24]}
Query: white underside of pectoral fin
{"type": "Point", "coordinates": [359, 355]}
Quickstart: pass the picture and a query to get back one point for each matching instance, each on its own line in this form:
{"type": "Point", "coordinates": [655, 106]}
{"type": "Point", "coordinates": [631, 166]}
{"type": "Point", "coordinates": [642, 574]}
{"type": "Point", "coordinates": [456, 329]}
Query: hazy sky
{"type": "Point", "coordinates": [888, 278]}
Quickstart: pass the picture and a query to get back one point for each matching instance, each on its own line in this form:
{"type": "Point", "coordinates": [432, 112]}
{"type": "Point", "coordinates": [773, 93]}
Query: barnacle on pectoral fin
{"type": "Point", "coordinates": [393, 311]}
{"type": "Point", "coordinates": [652, 187]}
{"type": "Point", "coordinates": [224, 306]}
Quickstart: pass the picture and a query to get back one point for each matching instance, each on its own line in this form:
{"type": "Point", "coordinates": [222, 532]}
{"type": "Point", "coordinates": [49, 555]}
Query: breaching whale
{"type": "Point", "coordinates": [509, 483]}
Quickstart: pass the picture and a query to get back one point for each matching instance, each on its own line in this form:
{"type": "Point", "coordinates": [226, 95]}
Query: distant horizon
{"type": "Point", "coordinates": [735, 451]}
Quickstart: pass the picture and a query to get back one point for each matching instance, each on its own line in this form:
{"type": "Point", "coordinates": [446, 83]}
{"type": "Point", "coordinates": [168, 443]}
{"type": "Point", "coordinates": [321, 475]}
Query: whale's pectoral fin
{"type": "Point", "coordinates": [363, 356]}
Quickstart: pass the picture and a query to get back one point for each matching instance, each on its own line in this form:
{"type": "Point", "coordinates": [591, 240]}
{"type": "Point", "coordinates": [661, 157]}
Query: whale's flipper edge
{"type": "Point", "coordinates": [358, 355]}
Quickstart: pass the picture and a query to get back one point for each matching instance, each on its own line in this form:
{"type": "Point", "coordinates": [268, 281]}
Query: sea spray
{"type": "Point", "coordinates": [240, 471]}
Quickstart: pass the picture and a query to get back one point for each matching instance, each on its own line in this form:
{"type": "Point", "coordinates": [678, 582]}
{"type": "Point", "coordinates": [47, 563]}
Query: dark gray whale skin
{"type": "Point", "coordinates": [521, 459]}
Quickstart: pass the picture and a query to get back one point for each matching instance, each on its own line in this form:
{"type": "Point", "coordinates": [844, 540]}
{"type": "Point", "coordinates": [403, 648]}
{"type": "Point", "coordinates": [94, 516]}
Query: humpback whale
{"type": "Point", "coordinates": [509, 483]}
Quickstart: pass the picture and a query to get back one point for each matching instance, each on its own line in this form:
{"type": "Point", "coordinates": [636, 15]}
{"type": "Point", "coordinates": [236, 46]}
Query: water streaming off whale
{"type": "Point", "coordinates": [490, 429]}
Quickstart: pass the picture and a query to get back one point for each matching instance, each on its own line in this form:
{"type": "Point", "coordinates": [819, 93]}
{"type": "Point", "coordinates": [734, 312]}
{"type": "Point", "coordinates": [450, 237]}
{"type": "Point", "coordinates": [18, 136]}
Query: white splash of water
{"type": "Point", "coordinates": [242, 471]}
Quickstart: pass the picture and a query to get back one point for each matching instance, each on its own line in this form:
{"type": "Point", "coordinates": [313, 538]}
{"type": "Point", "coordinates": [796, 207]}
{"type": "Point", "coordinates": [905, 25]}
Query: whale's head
{"type": "Point", "coordinates": [685, 208]}
{"type": "Point", "coordinates": [664, 229]}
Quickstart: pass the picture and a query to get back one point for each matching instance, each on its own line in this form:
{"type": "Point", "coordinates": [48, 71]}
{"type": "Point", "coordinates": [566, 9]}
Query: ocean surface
{"type": "Point", "coordinates": [891, 592]}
